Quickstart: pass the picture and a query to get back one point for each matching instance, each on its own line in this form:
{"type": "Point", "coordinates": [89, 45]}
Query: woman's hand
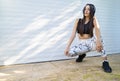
{"type": "Point", "coordinates": [99, 46]}
{"type": "Point", "coordinates": [66, 52]}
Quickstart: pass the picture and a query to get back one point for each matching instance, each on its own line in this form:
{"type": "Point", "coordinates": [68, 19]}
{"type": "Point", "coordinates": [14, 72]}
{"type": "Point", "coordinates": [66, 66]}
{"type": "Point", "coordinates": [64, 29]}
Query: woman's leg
{"type": "Point", "coordinates": [81, 49]}
{"type": "Point", "coordinates": [105, 65]}
{"type": "Point", "coordinates": [92, 46]}
{"type": "Point", "coordinates": [80, 58]}
{"type": "Point", "coordinates": [78, 50]}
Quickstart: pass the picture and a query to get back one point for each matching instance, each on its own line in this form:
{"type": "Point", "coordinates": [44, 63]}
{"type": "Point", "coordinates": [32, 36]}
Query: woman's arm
{"type": "Point", "coordinates": [99, 46]}
{"type": "Point", "coordinates": [71, 37]}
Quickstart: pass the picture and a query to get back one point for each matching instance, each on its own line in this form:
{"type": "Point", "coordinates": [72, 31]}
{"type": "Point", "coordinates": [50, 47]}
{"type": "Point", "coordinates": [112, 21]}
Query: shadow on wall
{"type": "Point", "coordinates": [42, 39]}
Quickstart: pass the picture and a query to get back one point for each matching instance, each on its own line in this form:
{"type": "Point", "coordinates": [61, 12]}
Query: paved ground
{"type": "Point", "coordinates": [65, 70]}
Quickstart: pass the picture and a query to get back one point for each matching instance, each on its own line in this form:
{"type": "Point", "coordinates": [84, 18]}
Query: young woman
{"type": "Point", "coordinates": [89, 40]}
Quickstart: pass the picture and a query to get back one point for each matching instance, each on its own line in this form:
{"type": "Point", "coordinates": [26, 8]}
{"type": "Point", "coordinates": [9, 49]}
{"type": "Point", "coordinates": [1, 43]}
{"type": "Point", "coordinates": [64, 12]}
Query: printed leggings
{"type": "Point", "coordinates": [84, 46]}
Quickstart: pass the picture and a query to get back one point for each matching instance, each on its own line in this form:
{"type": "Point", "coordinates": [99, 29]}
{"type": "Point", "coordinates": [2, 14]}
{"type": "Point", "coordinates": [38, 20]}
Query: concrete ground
{"type": "Point", "coordinates": [65, 70]}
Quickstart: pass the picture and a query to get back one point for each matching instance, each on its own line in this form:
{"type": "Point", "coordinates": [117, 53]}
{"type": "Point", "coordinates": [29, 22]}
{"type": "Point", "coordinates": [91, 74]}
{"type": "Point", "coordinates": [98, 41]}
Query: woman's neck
{"type": "Point", "coordinates": [87, 18]}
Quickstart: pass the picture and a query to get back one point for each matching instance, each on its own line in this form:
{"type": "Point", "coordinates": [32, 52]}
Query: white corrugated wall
{"type": "Point", "coordinates": [38, 30]}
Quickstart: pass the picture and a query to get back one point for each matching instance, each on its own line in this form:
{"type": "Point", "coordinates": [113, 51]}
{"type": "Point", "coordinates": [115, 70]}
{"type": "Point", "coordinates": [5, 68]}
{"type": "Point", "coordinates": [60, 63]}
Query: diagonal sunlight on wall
{"type": "Point", "coordinates": [4, 74]}
{"type": "Point", "coordinates": [61, 27]}
{"type": "Point", "coordinates": [31, 27]}
{"type": "Point", "coordinates": [20, 72]}
{"type": "Point", "coordinates": [38, 24]}
{"type": "Point", "coordinates": [51, 41]}
{"type": "Point", "coordinates": [43, 40]}
{"type": "Point", "coordinates": [72, 7]}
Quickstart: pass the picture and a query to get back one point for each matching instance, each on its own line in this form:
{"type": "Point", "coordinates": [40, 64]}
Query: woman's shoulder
{"type": "Point", "coordinates": [78, 19]}
{"type": "Point", "coordinates": [96, 23]}
{"type": "Point", "coordinates": [94, 20]}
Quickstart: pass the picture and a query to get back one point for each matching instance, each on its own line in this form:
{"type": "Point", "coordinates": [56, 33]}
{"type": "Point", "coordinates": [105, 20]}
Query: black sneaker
{"type": "Point", "coordinates": [106, 67]}
{"type": "Point", "coordinates": [80, 58]}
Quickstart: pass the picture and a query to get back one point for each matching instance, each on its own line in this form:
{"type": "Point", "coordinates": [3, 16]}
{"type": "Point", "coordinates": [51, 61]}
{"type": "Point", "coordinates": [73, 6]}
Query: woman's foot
{"type": "Point", "coordinates": [80, 58]}
{"type": "Point", "coordinates": [106, 67]}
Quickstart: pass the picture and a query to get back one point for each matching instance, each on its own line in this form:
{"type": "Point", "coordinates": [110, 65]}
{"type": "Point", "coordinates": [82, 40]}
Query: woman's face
{"type": "Point", "coordinates": [87, 11]}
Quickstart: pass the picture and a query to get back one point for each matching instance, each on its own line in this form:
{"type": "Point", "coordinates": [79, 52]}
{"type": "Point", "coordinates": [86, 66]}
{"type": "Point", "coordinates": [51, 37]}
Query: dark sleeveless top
{"type": "Point", "coordinates": [85, 29]}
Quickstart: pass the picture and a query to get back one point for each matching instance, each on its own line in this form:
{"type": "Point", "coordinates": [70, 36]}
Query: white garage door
{"type": "Point", "coordinates": [38, 30]}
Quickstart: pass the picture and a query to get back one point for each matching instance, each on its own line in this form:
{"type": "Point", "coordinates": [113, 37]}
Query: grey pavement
{"type": "Point", "coordinates": [64, 70]}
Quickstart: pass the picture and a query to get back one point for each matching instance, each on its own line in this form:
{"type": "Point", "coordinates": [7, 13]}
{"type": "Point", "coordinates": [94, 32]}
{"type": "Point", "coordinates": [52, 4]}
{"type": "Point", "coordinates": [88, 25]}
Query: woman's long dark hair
{"type": "Point", "coordinates": [82, 21]}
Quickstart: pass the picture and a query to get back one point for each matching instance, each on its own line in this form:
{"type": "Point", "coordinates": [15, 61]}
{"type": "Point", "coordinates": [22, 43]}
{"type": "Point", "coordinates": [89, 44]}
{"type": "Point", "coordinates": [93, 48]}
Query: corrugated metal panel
{"type": "Point", "coordinates": [38, 30]}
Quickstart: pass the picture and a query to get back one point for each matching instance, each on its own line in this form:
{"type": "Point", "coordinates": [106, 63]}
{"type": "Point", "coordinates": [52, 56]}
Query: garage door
{"type": "Point", "coordinates": [38, 30]}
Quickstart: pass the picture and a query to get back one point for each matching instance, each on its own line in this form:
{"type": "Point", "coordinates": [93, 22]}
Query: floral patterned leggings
{"type": "Point", "coordinates": [85, 45]}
